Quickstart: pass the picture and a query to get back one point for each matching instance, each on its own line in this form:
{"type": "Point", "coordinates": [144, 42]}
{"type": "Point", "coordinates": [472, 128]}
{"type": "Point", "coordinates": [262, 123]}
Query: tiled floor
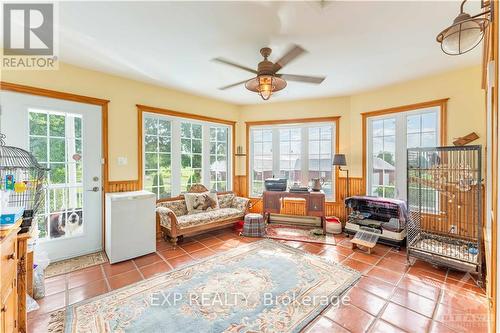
{"type": "Point", "coordinates": [390, 297]}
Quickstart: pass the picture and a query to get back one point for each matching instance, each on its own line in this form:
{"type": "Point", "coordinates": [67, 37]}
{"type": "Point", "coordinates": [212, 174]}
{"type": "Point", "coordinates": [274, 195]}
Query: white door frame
{"type": "Point", "coordinates": [102, 103]}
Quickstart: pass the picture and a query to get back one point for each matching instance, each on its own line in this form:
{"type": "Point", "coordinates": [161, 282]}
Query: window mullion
{"type": "Point", "coordinates": [276, 152]}
{"type": "Point", "coordinates": [304, 156]}
{"type": "Point", "coordinates": [175, 159]}
{"type": "Point", "coordinates": [205, 157]}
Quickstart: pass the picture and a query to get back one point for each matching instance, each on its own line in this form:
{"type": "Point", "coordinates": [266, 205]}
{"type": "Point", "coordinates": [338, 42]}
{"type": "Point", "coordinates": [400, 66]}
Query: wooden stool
{"type": "Point", "coordinates": [293, 206]}
{"type": "Point", "coordinates": [365, 239]}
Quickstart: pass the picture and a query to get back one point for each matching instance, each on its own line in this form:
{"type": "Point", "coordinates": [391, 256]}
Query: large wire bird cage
{"type": "Point", "coordinates": [444, 203]}
{"type": "Point", "coordinates": [23, 178]}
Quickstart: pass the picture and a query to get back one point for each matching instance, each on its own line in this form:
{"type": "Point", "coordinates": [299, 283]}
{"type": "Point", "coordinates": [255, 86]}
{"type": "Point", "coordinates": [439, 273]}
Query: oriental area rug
{"type": "Point", "coordinates": [264, 286]}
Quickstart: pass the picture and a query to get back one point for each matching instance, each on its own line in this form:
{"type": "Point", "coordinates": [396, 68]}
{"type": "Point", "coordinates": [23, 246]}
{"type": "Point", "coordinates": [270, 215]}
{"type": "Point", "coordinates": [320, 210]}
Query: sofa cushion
{"type": "Point", "coordinates": [177, 206]}
{"type": "Point", "coordinates": [201, 202]}
{"type": "Point", "coordinates": [191, 220]}
{"type": "Point", "coordinates": [226, 200]}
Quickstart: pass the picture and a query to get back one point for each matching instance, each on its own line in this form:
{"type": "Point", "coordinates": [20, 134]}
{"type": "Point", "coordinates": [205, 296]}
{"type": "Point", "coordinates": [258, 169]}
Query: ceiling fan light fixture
{"type": "Point", "coordinates": [265, 85]}
{"type": "Point", "coordinates": [464, 34]}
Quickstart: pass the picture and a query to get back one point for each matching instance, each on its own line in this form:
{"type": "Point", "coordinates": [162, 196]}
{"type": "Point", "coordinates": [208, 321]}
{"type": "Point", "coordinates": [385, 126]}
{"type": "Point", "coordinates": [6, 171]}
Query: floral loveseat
{"type": "Point", "coordinates": [175, 221]}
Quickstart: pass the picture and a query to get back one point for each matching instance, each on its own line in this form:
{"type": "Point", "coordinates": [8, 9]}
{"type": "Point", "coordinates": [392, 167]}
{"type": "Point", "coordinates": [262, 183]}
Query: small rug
{"type": "Point", "coordinates": [298, 233]}
{"type": "Point", "coordinates": [264, 286]}
{"type": "Point", "coordinates": [73, 264]}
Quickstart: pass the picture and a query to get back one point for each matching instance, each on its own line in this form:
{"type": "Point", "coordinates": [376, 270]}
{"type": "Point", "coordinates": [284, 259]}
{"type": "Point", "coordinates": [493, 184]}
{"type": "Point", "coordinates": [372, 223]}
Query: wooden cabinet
{"type": "Point", "coordinates": [315, 203]}
{"type": "Point", "coordinates": [13, 251]}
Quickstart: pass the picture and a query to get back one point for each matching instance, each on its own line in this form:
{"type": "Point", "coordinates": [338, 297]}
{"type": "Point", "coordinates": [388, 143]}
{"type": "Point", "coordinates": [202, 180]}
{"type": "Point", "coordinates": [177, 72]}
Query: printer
{"type": "Point", "coordinates": [275, 184]}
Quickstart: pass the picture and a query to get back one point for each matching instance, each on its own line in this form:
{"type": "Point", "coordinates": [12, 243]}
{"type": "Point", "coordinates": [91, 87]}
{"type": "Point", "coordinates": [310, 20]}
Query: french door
{"type": "Point", "coordinates": [388, 138]}
{"type": "Point", "coordinates": [65, 137]}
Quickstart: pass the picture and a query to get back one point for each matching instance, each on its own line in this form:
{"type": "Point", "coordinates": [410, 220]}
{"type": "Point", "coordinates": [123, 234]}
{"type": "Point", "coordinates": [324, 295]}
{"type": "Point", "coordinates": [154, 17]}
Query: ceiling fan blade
{"type": "Point", "coordinates": [232, 85]}
{"type": "Point", "coordinates": [302, 78]}
{"type": "Point", "coordinates": [230, 63]}
{"type": "Point", "coordinates": [294, 52]}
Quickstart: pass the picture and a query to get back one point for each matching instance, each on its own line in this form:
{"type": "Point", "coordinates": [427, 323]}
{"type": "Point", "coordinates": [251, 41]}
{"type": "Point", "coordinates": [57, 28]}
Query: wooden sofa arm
{"type": "Point", "coordinates": [167, 215]}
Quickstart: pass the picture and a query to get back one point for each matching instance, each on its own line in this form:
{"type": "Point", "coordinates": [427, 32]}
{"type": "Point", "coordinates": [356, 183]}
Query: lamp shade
{"type": "Point", "coordinates": [339, 159]}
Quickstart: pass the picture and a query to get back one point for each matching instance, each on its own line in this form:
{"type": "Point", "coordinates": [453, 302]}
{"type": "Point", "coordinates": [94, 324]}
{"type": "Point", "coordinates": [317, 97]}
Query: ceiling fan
{"type": "Point", "coordinates": [268, 80]}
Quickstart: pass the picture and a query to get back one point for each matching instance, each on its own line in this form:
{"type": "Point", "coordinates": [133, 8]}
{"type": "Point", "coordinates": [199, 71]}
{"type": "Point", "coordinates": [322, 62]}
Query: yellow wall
{"type": "Point", "coordinates": [463, 87]}
{"type": "Point", "coordinates": [124, 94]}
{"type": "Point", "coordinates": [465, 109]}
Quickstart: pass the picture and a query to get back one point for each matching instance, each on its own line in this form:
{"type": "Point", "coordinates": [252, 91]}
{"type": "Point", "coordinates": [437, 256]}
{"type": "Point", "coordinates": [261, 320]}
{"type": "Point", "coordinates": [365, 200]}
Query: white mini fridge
{"type": "Point", "coordinates": [130, 225]}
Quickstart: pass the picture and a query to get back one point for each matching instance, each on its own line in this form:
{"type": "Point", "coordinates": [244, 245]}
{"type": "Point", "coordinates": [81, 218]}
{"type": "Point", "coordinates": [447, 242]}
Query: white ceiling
{"type": "Point", "coordinates": [356, 45]}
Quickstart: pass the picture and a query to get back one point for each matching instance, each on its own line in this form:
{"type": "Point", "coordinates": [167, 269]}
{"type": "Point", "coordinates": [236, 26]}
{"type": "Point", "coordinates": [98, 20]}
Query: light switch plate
{"type": "Point", "coordinates": [122, 160]}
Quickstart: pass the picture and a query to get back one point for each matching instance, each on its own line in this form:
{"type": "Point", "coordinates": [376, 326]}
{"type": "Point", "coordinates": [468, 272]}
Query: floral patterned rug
{"type": "Point", "coordinates": [263, 286]}
{"type": "Point", "coordinates": [73, 264]}
{"type": "Point", "coordinates": [298, 233]}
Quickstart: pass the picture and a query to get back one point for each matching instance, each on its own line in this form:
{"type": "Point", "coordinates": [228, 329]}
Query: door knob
{"type": "Point", "coordinates": [94, 189]}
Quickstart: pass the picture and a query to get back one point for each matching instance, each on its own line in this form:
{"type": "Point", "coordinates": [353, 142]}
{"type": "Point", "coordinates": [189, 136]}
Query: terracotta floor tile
{"type": "Point", "coordinates": [87, 291]}
{"type": "Point", "coordinates": [124, 279]}
{"type": "Point", "coordinates": [55, 285]}
{"type": "Point", "coordinates": [203, 253]}
{"type": "Point", "coordinates": [324, 325]}
{"type": "Point", "coordinates": [38, 323]}
{"type": "Point", "coordinates": [461, 321]}
{"type": "Point", "coordinates": [172, 253]}
{"type": "Point", "coordinates": [118, 268]}
{"type": "Point", "coordinates": [51, 303]}
{"type": "Point", "coordinates": [156, 268]}
{"type": "Point", "coordinates": [357, 265]}
{"type": "Point", "coordinates": [460, 287]}
{"type": "Point", "coordinates": [385, 275]}
{"type": "Point", "coordinates": [422, 265]}
{"type": "Point", "coordinates": [180, 261]}
{"type": "Point", "coordinates": [376, 287]}
{"type": "Point", "coordinates": [226, 236]}
{"type": "Point", "coordinates": [394, 256]}
{"type": "Point", "coordinates": [212, 240]}
{"type": "Point", "coordinates": [437, 327]}
{"type": "Point", "coordinates": [365, 301]}
{"type": "Point", "coordinates": [364, 257]}
{"type": "Point", "coordinates": [381, 326]}
{"type": "Point", "coordinates": [311, 248]}
{"type": "Point", "coordinates": [163, 245]}
{"type": "Point", "coordinates": [421, 288]}
{"type": "Point", "coordinates": [350, 317]}
{"type": "Point", "coordinates": [84, 276]}
{"type": "Point", "coordinates": [414, 302]}
{"type": "Point", "coordinates": [148, 259]}
{"type": "Point", "coordinates": [405, 319]}
{"type": "Point", "coordinates": [392, 265]}
{"type": "Point", "coordinates": [194, 246]}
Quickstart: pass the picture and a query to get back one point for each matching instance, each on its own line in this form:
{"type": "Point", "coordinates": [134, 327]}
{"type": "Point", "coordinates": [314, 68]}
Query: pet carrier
{"type": "Point", "coordinates": [22, 177]}
{"type": "Point", "coordinates": [444, 203]}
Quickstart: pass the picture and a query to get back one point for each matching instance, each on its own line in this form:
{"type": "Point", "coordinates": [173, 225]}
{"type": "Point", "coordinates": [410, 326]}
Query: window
{"type": "Point", "coordinates": [55, 139]}
{"type": "Point", "coordinates": [388, 137]}
{"type": "Point", "coordinates": [173, 155]}
{"type": "Point", "coordinates": [158, 156]}
{"type": "Point", "coordinates": [218, 158]}
{"type": "Point", "coordinates": [191, 149]}
{"type": "Point", "coordinates": [298, 152]}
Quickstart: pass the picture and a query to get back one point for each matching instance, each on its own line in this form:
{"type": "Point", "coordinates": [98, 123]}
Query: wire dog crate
{"type": "Point", "coordinates": [444, 204]}
{"type": "Point", "coordinates": [23, 177]}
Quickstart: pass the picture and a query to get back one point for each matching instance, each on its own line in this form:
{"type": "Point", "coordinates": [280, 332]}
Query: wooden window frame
{"type": "Point", "coordinates": [141, 109]}
{"type": "Point", "coordinates": [249, 124]}
{"type": "Point", "coordinates": [443, 115]}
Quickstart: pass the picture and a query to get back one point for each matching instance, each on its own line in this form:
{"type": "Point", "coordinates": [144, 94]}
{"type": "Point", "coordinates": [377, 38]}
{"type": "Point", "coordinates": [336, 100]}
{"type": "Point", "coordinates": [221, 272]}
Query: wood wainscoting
{"type": "Point", "coordinates": [123, 186]}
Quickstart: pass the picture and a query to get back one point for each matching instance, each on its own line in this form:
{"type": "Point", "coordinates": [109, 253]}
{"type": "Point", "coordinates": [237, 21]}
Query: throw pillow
{"type": "Point", "coordinates": [201, 202]}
